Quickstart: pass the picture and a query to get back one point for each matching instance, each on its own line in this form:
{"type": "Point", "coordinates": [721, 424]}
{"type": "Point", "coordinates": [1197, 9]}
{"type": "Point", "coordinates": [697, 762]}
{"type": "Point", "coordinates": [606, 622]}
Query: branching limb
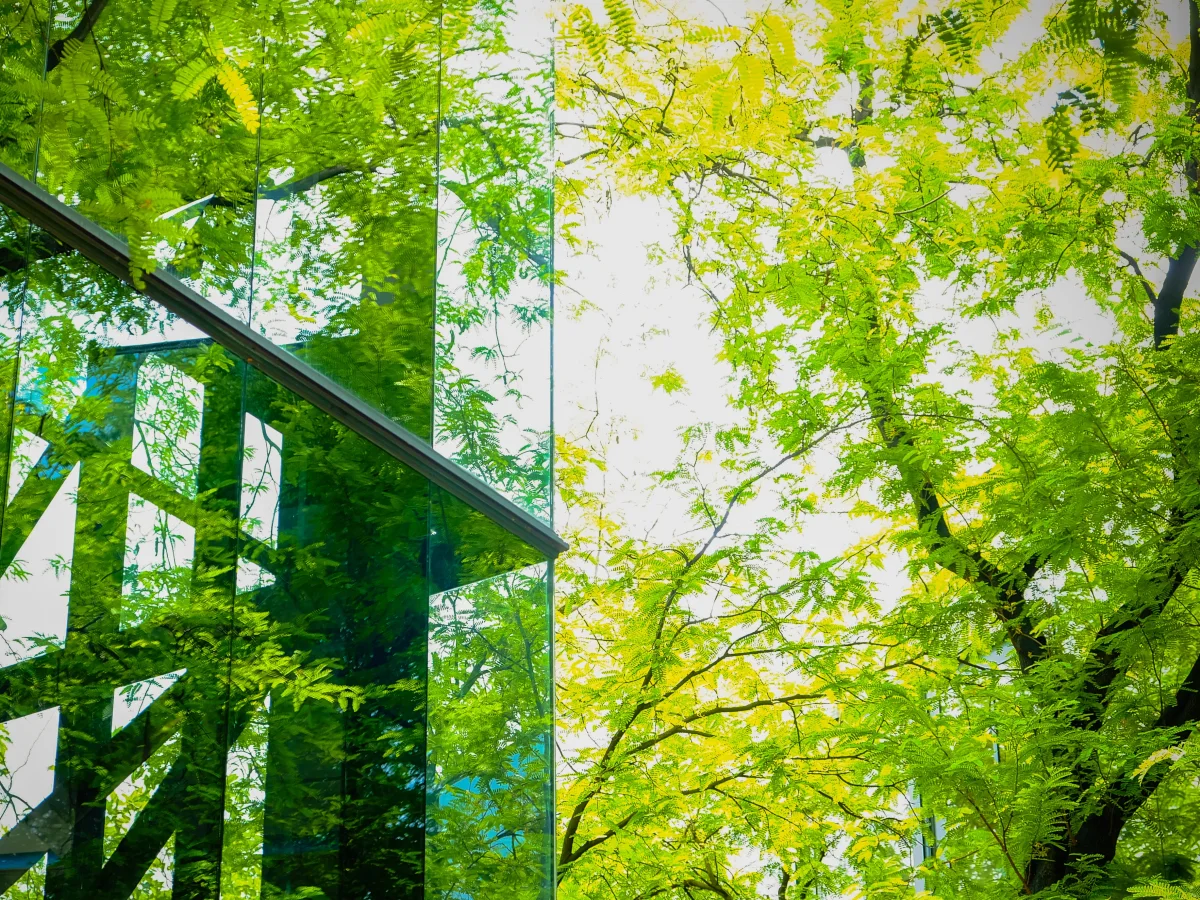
{"type": "Point", "coordinates": [1137, 270]}
{"type": "Point", "coordinates": [80, 32]}
{"type": "Point", "coordinates": [41, 246]}
{"type": "Point", "coordinates": [1170, 298]}
{"type": "Point", "coordinates": [1009, 589]}
{"type": "Point", "coordinates": [1162, 578]}
{"type": "Point", "coordinates": [1097, 835]}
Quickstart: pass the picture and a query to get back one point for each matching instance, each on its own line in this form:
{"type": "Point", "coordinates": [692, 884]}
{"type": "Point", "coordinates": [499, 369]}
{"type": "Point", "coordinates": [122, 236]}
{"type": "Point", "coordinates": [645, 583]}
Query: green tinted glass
{"type": "Point", "coordinates": [216, 601]}
{"type": "Point", "coordinates": [323, 170]}
{"type": "Point", "coordinates": [215, 661]}
{"type": "Point", "coordinates": [490, 816]}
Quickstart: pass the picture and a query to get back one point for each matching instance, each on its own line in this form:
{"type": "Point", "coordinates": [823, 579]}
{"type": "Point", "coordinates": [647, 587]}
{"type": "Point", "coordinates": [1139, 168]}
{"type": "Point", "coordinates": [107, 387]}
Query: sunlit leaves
{"type": "Point", "coordinates": [160, 14]}
{"type": "Point", "coordinates": [621, 16]}
{"type": "Point", "coordinates": [931, 239]}
{"type": "Point", "coordinates": [192, 78]}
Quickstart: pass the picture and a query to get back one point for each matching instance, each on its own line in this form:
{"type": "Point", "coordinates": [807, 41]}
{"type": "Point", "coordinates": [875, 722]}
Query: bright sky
{"type": "Point", "coordinates": [621, 318]}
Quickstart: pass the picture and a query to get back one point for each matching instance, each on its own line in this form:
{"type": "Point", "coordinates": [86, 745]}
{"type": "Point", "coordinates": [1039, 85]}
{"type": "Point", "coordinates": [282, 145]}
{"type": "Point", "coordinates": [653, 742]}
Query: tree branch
{"type": "Point", "coordinates": [91, 15]}
{"type": "Point", "coordinates": [1166, 574]}
{"type": "Point", "coordinates": [947, 551]}
{"type": "Point", "coordinates": [1097, 835]}
{"type": "Point", "coordinates": [600, 839]}
{"type": "Point", "coordinates": [41, 246]}
{"type": "Point", "coordinates": [575, 819]}
{"type": "Point", "coordinates": [1170, 298]}
{"type": "Point", "coordinates": [1179, 270]}
{"type": "Point", "coordinates": [1137, 270]}
{"type": "Point", "coordinates": [1167, 571]}
{"type": "Point", "coordinates": [624, 823]}
{"type": "Point", "coordinates": [1010, 604]}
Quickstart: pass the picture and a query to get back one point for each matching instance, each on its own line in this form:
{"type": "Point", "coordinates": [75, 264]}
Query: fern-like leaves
{"type": "Point", "coordinates": [1156, 888]}
{"type": "Point", "coordinates": [239, 92]}
{"type": "Point", "coordinates": [589, 33]}
{"type": "Point", "coordinates": [191, 78]}
{"type": "Point", "coordinates": [621, 16]}
{"type": "Point", "coordinates": [1112, 30]}
{"type": "Point", "coordinates": [952, 27]}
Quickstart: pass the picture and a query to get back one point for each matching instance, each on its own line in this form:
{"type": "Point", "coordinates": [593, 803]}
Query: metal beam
{"type": "Point", "coordinates": [107, 251]}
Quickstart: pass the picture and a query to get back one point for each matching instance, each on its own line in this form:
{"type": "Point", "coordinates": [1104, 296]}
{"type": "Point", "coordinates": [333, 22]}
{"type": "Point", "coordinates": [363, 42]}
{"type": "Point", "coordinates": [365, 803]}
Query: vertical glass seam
{"type": "Point", "coordinates": [433, 376]}
{"type": "Point", "coordinates": [9, 437]}
{"type": "Point", "coordinates": [252, 286]}
{"type": "Point", "coordinates": [228, 724]}
{"type": "Point", "coordinates": [551, 275]}
{"type": "Point", "coordinates": [551, 562]}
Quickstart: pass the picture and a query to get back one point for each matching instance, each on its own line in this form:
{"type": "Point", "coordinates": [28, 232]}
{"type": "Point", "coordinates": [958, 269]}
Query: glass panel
{"type": "Point", "coordinates": [286, 164]}
{"type": "Point", "coordinates": [151, 130]}
{"type": "Point", "coordinates": [342, 796]}
{"type": "Point", "coordinates": [220, 683]}
{"type": "Point", "coordinates": [23, 36]}
{"type": "Point", "coordinates": [345, 206]}
{"type": "Point", "coordinates": [491, 823]}
{"type": "Point", "coordinates": [467, 547]}
{"type": "Point", "coordinates": [146, 515]}
{"type": "Point", "coordinates": [495, 198]}
{"type": "Point", "coordinates": [23, 33]}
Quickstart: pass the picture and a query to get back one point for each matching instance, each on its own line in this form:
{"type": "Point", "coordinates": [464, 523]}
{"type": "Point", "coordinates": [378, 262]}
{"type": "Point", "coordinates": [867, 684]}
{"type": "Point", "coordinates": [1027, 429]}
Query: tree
{"type": "Point", "coordinates": [693, 715]}
{"type": "Point", "coordinates": [956, 241]}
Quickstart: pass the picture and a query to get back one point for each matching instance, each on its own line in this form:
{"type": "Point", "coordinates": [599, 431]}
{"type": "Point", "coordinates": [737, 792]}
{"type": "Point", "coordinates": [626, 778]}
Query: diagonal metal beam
{"type": "Point", "coordinates": [107, 251]}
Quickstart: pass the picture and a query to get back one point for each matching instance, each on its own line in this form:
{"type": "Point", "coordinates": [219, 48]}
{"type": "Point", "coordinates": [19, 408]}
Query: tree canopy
{"type": "Point", "coordinates": [946, 250]}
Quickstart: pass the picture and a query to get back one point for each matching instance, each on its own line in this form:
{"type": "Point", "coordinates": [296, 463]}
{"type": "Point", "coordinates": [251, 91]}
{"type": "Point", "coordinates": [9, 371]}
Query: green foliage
{"type": "Point", "coordinates": [952, 27]}
{"type": "Point", "coordinates": [621, 16]}
{"type": "Point", "coordinates": [1159, 889]}
{"type": "Point", "coordinates": [589, 32]}
{"type": "Point", "coordinates": [489, 789]}
{"type": "Point", "coordinates": [368, 185]}
{"type": "Point", "coordinates": [1083, 28]}
{"type": "Point", "coordinates": [403, 152]}
{"type": "Point", "coordinates": [959, 336]}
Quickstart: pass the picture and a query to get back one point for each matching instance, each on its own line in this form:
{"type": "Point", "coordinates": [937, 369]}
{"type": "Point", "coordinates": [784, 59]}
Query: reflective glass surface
{"type": "Point", "coordinates": [216, 654]}
{"type": "Point", "coordinates": [23, 36]}
{"type": "Point", "coordinates": [491, 822]}
{"type": "Point", "coordinates": [346, 196]}
{"type": "Point", "coordinates": [221, 673]}
{"type": "Point", "coordinates": [495, 252]}
{"type": "Point", "coordinates": [151, 129]}
{"type": "Point", "coordinates": [322, 170]}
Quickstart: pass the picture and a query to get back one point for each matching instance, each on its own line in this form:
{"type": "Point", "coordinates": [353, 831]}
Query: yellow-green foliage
{"type": "Point", "coordinates": [929, 239]}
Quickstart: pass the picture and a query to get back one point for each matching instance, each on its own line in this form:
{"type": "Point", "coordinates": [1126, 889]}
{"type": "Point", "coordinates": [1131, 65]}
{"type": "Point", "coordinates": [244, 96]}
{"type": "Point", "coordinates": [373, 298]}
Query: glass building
{"type": "Point", "coordinates": [276, 550]}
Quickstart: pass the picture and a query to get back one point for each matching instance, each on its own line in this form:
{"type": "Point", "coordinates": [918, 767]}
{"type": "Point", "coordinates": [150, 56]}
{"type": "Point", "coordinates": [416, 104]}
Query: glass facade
{"type": "Point", "coordinates": [327, 172]}
{"type": "Point", "coordinates": [495, 256]}
{"type": "Point", "coordinates": [247, 650]}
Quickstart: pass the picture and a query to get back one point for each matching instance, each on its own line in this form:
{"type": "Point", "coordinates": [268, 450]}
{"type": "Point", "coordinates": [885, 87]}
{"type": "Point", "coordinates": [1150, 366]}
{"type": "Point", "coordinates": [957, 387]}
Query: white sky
{"type": "Point", "coordinates": [621, 319]}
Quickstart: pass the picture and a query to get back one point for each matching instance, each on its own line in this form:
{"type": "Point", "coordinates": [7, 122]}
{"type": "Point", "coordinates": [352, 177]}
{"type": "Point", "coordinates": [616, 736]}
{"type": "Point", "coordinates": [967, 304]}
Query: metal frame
{"type": "Point", "coordinates": [106, 250]}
